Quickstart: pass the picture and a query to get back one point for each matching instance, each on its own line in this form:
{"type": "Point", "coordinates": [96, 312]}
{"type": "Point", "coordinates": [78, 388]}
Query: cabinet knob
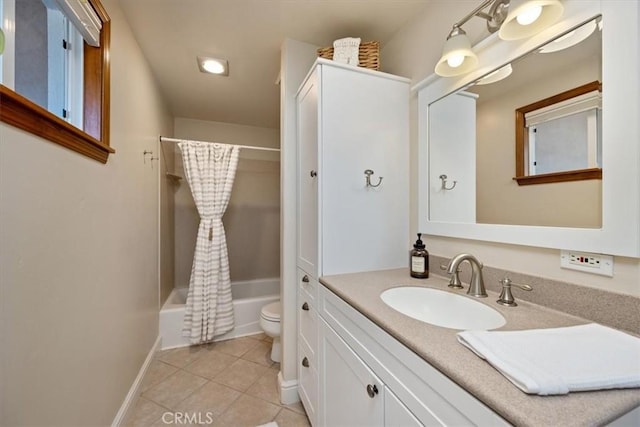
{"type": "Point", "coordinates": [305, 363]}
{"type": "Point", "coordinates": [313, 174]}
{"type": "Point", "coordinates": [305, 306]}
{"type": "Point", "coordinates": [305, 279]}
{"type": "Point", "coordinates": [372, 390]}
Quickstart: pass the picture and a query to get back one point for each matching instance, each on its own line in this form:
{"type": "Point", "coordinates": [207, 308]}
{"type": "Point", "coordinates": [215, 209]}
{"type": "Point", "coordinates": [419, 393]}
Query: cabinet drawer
{"type": "Point", "coordinates": [309, 284]}
{"type": "Point", "coordinates": [307, 382]}
{"type": "Point", "coordinates": [307, 320]}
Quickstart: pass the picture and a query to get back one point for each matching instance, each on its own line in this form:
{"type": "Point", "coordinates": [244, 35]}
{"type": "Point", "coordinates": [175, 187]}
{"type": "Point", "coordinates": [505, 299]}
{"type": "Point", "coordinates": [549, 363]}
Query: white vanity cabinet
{"type": "Point", "coordinates": [356, 355]}
{"type": "Point", "coordinates": [349, 120]}
{"type": "Point", "coordinates": [351, 393]}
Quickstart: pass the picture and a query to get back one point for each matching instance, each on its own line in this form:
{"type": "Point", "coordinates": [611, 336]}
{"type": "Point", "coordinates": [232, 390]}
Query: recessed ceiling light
{"type": "Point", "coordinates": [213, 65]}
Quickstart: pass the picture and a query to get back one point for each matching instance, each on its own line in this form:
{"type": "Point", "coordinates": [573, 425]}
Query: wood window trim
{"type": "Point", "coordinates": [522, 142]}
{"type": "Point", "coordinates": [93, 141]}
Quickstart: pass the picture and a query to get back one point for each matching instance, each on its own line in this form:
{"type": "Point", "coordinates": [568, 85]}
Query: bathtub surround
{"type": "Point", "coordinates": [248, 298]}
{"type": "Point", "coordinates": [210, 170]}
{"type": "Point", "coordinates": [79, 257]}
{"type": "Point", "coordinates": [252, 216]}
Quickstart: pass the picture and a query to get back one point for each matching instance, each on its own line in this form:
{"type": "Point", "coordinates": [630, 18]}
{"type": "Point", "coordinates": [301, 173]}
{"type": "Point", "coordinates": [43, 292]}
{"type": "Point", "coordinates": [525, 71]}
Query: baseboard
{"type": "Point", "coordinates": [134, 391]}
{"type": "Point", "coordinates": [288, 390]}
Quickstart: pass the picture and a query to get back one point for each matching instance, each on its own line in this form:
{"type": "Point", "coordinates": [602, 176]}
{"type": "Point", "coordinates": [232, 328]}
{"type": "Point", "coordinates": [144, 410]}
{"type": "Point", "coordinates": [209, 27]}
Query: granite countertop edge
{"type": "Point", "coordinates": [362, 290]}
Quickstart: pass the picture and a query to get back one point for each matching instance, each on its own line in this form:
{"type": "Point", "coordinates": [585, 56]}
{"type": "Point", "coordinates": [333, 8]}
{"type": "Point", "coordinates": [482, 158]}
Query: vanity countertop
{"type": "Point", "coordinates": [439, 347]}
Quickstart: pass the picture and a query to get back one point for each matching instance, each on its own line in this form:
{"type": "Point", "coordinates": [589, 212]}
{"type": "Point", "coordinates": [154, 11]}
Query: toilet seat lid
{"type": "Point", "coordinates": [272, 311]}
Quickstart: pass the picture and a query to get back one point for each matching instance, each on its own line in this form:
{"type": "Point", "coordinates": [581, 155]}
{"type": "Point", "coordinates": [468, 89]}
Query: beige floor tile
{"type": "Point", "coordinates": [235, 347]}
{"type": "Point", "coordinates": [287, 418]}
{"type": "Point", "coordinates": [210, 363]}
{"type": "Point", "coordinates": [182, 356]}
{"type": "Point", "coordinates": [145, 413]}
{"type": "Point", "coordinates": [174, 389]}
{"type": "Point", "coordinates": [179, 420]}
{"type": "Point", "coordinates": [210, 401]}
{"type": "Point", "coordinates": [260, 337]}
{"type": "Point", "coordinates": [266, 388]}
{"type": "Point", "coordinates": [241, 374]}
{"type": "Point", "coordinates": [268, 339]}
{"type": "Point", "coordinates": [158, 371]}
{"type": "Point", "coordinates": [296, 407]}
{"type": "Point", "coordinates": [247, 411]}
{"type": "Point", "coordinates": [260, 354]}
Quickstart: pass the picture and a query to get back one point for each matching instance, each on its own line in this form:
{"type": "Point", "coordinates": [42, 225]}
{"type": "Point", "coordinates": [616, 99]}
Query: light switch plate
{"type": "Point", "coordinates": [587, 262]}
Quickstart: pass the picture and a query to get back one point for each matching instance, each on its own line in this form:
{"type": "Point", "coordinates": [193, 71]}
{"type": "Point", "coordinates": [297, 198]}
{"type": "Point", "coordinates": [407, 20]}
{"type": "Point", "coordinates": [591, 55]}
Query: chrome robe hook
{"type": "Point", "coordinates": [444, 183]}
{"type": "Point", "coordinates": [368, 173]}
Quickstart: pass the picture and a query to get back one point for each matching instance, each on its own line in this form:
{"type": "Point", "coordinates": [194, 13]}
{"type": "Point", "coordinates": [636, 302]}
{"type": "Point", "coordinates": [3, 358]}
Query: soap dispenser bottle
{"type": "Point", "coordinates": [419, 260]}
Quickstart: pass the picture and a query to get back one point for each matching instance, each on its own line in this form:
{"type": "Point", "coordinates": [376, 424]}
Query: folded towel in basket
{"type": "Point", "coordinates": [346, 50]}
{"type": "Point", "coordinates": [560, 360]}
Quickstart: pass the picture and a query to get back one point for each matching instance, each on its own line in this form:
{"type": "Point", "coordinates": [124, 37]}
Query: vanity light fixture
{"type": "Point", "coordinates": [572, 38]}
{"type": "Point", "coordinates": [529, 17]}
{"type": "Point", "coordinates": [216, 66]}
{"type": "Point", "coordinates": [496, 76]}
{"type": "Point", "coordinates": [457, 56]}
{"type": "Point", "coordinates": [515, 19]}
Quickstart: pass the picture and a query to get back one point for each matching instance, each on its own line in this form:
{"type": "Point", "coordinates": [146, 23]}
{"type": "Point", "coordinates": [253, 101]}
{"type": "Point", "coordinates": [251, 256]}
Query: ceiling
{"type": "Point", "coordinates": [248, 33]}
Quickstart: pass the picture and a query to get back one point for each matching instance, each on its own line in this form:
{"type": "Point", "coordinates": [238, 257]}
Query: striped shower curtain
{"type": "Point", "coordinates": [210, 171]}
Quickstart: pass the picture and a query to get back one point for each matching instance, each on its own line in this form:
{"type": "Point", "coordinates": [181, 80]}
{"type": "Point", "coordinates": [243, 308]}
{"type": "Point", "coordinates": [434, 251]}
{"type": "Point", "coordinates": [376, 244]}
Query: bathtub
{"type": "Point", "coordinates": [248, 299]}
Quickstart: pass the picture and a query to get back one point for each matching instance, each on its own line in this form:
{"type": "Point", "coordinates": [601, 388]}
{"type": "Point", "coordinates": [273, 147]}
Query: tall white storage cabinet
{"type": "Point", "coordinates": [349, 120]}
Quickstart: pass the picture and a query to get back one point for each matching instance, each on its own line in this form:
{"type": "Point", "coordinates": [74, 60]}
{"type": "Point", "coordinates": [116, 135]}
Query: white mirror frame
{"type": "Point", "coordinates": [620, 232]}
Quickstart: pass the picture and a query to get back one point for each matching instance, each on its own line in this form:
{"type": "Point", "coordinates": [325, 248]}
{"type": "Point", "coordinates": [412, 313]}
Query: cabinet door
{"type": "Point", "coordinates": [396, 414]}
{"type": "Point", "coordinates": [307, 106]}
{"type": "Point", "coordinates": [364, 126]}
{"type": "Point", "coordinates": [351, 395]}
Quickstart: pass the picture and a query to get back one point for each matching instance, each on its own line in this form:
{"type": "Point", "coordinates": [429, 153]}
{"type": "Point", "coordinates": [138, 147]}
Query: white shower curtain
{"type": "Point", "coordinates": [210, 170]}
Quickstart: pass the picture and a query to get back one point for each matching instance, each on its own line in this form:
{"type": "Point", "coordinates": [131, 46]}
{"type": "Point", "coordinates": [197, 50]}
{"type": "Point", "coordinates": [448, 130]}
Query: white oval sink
{"type": "Point", "coordinates": [441, 308]}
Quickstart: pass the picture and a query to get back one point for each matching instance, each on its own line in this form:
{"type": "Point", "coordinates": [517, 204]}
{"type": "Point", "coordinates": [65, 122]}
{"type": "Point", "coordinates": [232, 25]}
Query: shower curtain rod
{"type": "Point", "coordinates": [249, 147]}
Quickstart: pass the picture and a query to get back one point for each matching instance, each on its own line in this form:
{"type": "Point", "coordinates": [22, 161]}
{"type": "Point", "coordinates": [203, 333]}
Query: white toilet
{"type": "Point", "coordinates": [270, 324]}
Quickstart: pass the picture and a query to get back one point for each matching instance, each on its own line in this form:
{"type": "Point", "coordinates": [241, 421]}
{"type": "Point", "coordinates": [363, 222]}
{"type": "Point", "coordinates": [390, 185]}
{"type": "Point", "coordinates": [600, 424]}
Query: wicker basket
{"type": "Point", "coordinates": [368, 56]}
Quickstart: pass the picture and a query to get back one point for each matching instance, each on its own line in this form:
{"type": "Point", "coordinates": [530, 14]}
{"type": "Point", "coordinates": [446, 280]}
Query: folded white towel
{"type": "Point", "coordinates": [560, 360]}
{"type": "Point", "coordinates": [346, 50]}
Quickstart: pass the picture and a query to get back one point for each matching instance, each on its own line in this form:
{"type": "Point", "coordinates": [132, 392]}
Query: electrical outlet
{"type": "Point", "coordinates": [587, 262]}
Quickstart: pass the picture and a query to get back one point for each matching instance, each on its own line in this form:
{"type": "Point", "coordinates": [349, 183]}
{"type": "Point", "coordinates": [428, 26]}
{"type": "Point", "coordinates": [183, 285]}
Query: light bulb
{"type": "Point", "coordinates": [529, 16]}
{"type": "Point", "coordinates": [455, 61]}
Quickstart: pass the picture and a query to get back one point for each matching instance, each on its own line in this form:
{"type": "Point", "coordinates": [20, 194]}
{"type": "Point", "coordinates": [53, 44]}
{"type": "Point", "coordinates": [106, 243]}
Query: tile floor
{"type": "Point", "coordinates": [229, 383]}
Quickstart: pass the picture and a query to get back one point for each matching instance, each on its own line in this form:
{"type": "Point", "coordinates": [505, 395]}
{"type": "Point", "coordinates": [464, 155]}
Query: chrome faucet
{"type": "Point", "coordinates": [476, 286]}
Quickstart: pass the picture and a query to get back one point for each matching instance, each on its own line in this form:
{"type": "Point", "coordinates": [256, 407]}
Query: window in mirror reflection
{"type": "Point", "coordinates": [565, 136]}
{"type": "Point", "coordinates": [560, 134]}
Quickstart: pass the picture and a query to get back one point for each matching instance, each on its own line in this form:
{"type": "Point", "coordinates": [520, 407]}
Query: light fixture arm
{"type": "Point", "coordinates": [475, 12]}
{"type": "Point", "coordinates": [494, 18]}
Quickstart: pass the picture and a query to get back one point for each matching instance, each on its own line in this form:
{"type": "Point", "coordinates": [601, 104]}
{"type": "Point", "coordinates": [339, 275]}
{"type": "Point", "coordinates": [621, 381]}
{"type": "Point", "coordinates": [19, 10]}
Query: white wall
{"type": "Point", "coordinates": [413, 52]}
{"type": "Point", "coordinates": [79, 258]}
{"type": "Point", "coordinates": [252, 219]}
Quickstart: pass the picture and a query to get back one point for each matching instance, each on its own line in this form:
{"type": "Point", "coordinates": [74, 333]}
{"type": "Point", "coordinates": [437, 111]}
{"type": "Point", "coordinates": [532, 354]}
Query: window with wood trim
{"type": "Point", "coordinates": [558, 138]}
{"type": "Point", "coordinates": [85, 129]}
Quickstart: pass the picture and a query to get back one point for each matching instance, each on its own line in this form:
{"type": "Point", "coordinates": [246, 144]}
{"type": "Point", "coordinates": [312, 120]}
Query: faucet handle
{"type": "Point", "coordinates": [454, 282]}
{"type": "Point", "coordinates": [506, 297]}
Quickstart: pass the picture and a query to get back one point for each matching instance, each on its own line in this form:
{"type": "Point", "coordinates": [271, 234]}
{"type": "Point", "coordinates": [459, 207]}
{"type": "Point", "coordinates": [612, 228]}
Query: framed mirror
{"type": "Point", "coordinates": [486, 203]}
